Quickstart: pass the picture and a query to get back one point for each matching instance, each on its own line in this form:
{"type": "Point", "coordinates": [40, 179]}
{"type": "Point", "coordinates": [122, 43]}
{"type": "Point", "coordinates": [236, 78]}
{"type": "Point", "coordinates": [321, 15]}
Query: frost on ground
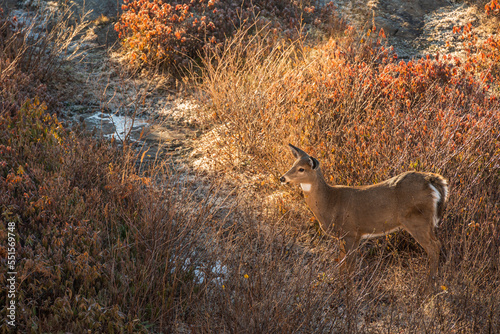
{"type": "Point", "coordinates": [437, 33]}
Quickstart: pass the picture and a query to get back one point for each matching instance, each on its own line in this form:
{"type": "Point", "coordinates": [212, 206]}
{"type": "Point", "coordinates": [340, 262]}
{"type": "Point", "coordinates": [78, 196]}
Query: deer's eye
{"type": "Point", "coordinates": [301, 170]}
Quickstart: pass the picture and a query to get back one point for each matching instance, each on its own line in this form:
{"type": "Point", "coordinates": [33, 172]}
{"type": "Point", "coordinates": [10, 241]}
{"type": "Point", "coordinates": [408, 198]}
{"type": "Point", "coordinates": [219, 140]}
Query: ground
{"type": "Point", "coordinates": [417, 28]}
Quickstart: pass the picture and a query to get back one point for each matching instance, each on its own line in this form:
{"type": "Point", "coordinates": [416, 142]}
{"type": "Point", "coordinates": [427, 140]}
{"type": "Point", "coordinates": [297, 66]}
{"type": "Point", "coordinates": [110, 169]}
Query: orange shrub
{"type": "Point", "coordinates": [492, 8]}
{"type": "Point", "coordinates": [172, 33]}
{"type": "Point", "coordinates": [483, 56]}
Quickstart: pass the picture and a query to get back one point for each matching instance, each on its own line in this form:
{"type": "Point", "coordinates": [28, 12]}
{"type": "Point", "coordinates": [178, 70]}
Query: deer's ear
{"type": "Point", "coordinates": [313, 163]}
{"type": "Point", "coordinates": [297, 152]}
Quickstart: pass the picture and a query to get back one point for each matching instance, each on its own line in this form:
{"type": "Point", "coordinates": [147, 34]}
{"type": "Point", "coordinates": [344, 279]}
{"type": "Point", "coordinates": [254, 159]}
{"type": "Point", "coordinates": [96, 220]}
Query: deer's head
{"type": "Point", "coordinates": [305, 169]}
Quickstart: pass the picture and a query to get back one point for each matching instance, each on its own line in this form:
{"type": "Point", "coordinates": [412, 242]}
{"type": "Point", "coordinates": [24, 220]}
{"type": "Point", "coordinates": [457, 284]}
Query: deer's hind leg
{"type": "Point", "coordinates": [421, 227]}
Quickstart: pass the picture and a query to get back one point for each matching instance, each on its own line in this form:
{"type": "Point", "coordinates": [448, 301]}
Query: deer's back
{"type": "Point", "coordinates": [380, 206]}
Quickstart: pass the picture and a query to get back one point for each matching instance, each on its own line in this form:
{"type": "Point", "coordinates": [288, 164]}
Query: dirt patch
{"type": "Point", "coordinates": [415, 28]}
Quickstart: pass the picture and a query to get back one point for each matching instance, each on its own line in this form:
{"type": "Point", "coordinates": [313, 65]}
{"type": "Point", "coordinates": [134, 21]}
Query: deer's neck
{"type": "Point", "coordinates": [318, 198]}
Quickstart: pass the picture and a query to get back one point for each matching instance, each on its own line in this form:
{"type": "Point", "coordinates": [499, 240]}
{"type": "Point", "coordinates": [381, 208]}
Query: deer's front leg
{"type": "Point", "coordinates": [349, 245]}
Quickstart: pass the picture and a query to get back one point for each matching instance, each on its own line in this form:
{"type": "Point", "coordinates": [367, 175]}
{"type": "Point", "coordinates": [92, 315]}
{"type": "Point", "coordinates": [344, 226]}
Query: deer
{"type": "Point", "coordinates": [413, 201]}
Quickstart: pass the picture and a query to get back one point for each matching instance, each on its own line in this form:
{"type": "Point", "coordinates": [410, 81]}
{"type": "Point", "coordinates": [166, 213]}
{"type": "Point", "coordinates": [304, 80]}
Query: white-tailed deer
{"type": "Point", "coordinates": [412, 201]}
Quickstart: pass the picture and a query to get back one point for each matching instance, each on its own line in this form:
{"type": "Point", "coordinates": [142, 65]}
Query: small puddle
{"type": "Point", "coordinates": [119, 127]}
{"type": "Point", "coordinates": [155, 140]}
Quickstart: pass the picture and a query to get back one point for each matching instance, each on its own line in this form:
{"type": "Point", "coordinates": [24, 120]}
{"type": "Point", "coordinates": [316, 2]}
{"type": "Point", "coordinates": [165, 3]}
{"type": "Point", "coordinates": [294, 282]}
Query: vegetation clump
{"type": "Point", "coordinates": [171, 34]}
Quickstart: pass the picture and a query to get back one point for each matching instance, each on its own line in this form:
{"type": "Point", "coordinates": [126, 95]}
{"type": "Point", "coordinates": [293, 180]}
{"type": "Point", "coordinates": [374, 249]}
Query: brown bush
{"type": "Point", "coordinates": [97, 246]}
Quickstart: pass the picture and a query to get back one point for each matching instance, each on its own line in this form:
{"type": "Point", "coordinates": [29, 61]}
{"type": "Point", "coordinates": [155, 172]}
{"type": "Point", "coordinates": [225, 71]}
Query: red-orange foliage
{"type": "Point", "coordinates": [170, 33]}
{"type": "Point", "coordinates": [483, 56]}
{"type": "Point", "coordinates": [492, 8]}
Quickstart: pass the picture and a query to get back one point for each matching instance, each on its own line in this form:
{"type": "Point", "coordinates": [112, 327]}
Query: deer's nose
{"type": "Point", "coordinates": [282, 179]}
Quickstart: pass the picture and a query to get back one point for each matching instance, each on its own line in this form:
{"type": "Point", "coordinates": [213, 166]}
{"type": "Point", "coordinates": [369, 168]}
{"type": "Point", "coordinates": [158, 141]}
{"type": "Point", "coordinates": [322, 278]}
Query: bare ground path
{"type": "Point", "coordinates": [417, 27]}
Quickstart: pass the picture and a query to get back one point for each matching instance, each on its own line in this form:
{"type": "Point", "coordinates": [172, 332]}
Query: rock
{"type": "Point", "coordinates": [404, 18]}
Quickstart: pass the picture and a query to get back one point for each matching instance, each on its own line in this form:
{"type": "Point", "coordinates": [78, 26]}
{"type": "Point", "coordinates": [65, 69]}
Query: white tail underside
{"type": "Point", "coordinates": [437, 197]}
